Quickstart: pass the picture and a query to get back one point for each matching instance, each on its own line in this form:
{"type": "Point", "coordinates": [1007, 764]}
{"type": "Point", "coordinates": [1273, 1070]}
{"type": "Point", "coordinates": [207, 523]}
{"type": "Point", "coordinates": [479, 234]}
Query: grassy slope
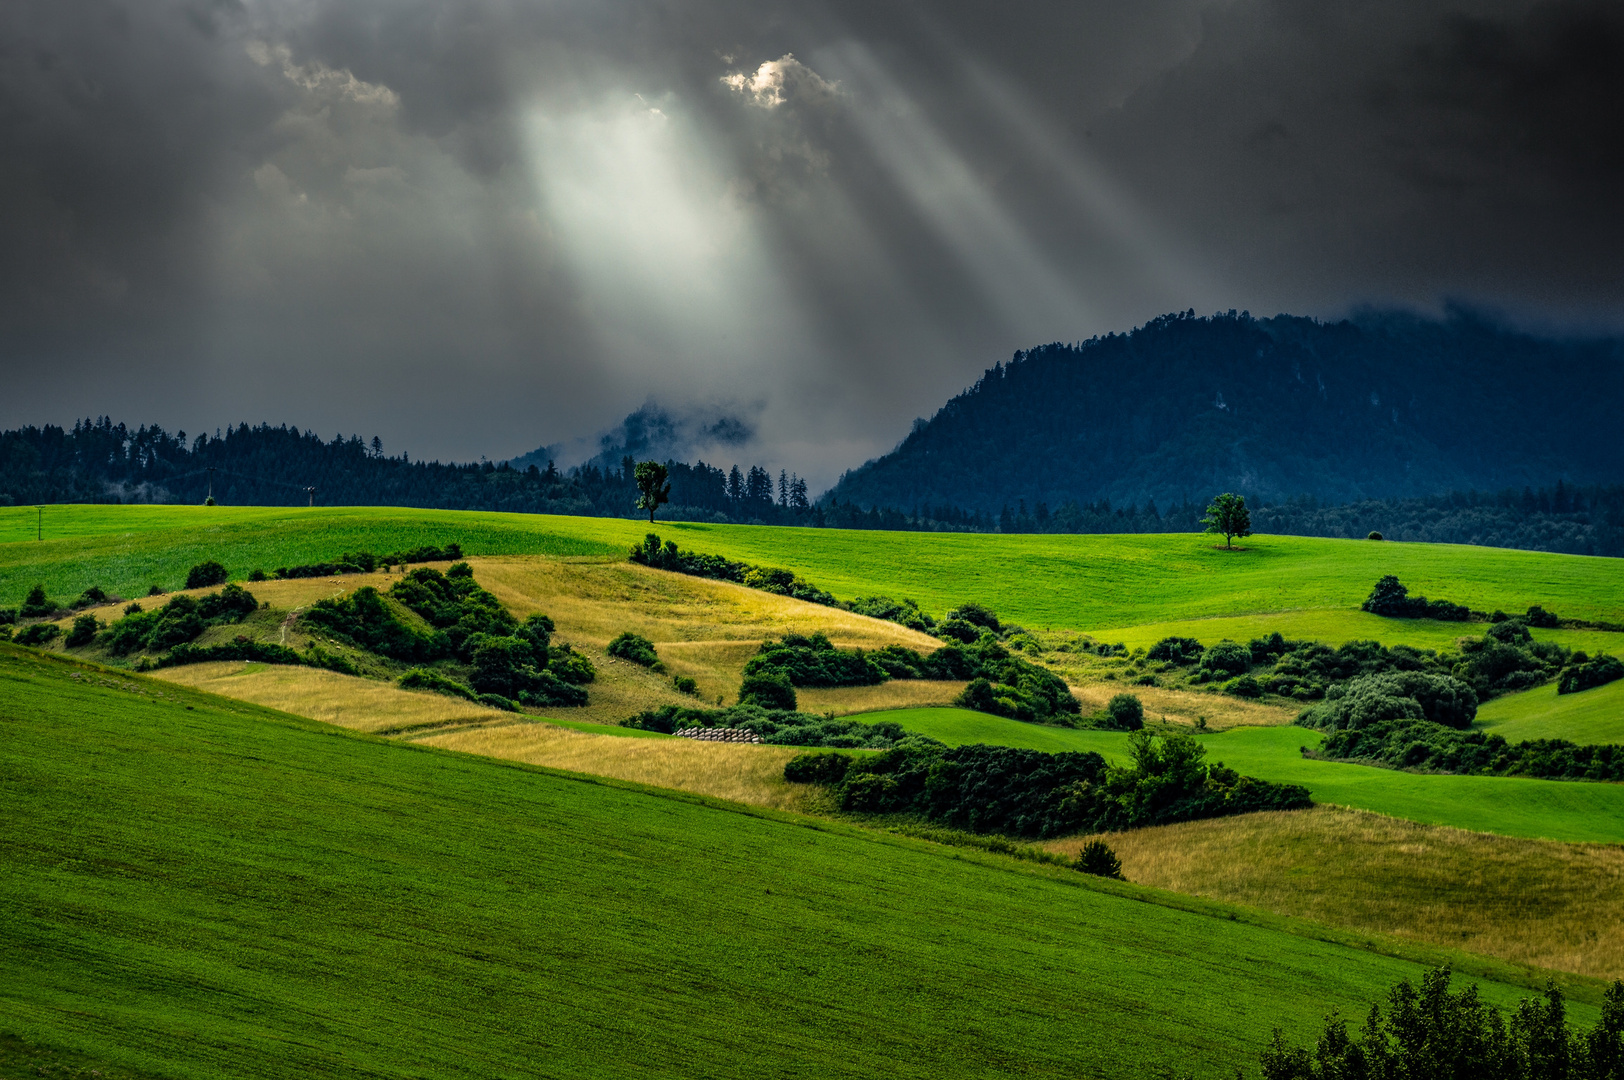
{"type": "Point", "coordinates": [224, 890]}
{"type": "Point", "coordinates": [1532, 901]}
{"type": "Point", "coordinates": [1078, 582]}
{"type": "Point", "coordinates": [1512, 806]}
{"type": "Point", "coordinates": [1594, 716]}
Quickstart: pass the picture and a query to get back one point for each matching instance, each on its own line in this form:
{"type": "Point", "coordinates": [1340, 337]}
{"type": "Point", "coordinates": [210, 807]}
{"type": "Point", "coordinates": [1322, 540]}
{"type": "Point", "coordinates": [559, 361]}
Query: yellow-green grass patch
{"type": "Point", "coordinates": [1536, 902]}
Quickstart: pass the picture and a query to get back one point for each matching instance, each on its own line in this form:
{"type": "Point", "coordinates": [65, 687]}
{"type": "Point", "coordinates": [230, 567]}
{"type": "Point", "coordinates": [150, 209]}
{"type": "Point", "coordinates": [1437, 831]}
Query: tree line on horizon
{"type": "Point", "coordinates": [97, 461]}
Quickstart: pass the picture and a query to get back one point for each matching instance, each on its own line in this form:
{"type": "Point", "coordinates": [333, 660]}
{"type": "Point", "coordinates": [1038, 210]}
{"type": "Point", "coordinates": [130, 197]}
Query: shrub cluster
{"type": "Point", "coordinates": [38, 634]}
{"type": "Point", "coordinates": [771, 579]}
{"type": "Point", "coordinates": [1429, 1033]}
{"type": "Point", "coordinates": [1392, 599]}
{"type": "Point", "coordinates": [635, 648]}
{"type": "Point", "coordinates": [1398, 695]}
{"type": "Point", "coordinates": [1000, 683]}
{"type": "Point", "coordinates": [1420, 745]}
{"type": "Point", "coordinates": [1029, 793]}
{"type": "Point", "coordinates": [365, 562]}
{"type": "Point", "coordinates": [1587, 675]}
{"type": "Point", "coordinates": [780, 727]}
{"type": "Point", "coordinates": [181, 620]}
{"type": "Point", "coordinates": [36, 605]}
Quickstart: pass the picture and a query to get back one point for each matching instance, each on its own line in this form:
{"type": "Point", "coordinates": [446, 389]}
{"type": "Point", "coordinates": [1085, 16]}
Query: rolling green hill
{"type": "Point", "coordinates": [1094, 583]}
{"type": "Point", "coordinates": [1511, 806]}
{"type": "Point", "coordinates": [1593, 716]}
{"type": "Point", "coordinates": [196, 887]}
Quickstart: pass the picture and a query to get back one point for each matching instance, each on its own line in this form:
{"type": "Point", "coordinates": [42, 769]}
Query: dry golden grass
{"type": "Point", "coordinates": [740, 773]}
{"type": "Point", "coordinates": [1536, 902]}
{"type": "Point", "coordinates": [343, 700]}
{"type": "Point", "coordinates": [896, 694]}
{"type": "Point", "coordinates": [1187, 706]}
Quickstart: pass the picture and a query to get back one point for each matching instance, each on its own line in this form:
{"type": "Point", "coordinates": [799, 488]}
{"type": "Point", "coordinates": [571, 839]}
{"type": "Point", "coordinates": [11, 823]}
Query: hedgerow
{"type": "Point", "coordinates": [1032, 794]}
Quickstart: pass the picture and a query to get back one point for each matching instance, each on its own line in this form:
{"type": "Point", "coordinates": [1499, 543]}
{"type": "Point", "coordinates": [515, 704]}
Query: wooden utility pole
{"type": "Point", "coordinates": [312, 493]}
{"type": "Point", "coordinates": [211, 482]}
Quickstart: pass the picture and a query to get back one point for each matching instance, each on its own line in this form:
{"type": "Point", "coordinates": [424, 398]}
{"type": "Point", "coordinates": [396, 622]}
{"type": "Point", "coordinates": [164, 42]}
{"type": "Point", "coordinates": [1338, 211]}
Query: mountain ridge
{"type": "Point", "coordinates": [1381, 406]}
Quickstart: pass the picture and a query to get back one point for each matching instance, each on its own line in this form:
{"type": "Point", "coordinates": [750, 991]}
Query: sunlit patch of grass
{"type": "Point", "coordinates": [896, 694]}
{"type": "Point", "coordinates": [737, 772]}
{"type": "Point", "coordinates": [1537, 902]}
{"type": "Point", "coordinates": [344, 700]}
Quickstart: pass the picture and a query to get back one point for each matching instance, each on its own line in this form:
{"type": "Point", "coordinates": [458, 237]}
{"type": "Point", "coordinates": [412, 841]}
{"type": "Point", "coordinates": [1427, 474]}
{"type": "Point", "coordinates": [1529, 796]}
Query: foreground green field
{"type": "Point", "coordinates": [1094, 583]}
{"type": "Point", "coordinates": [1510, 806]}
{"type": "Point", "coordinates": [197, 887]}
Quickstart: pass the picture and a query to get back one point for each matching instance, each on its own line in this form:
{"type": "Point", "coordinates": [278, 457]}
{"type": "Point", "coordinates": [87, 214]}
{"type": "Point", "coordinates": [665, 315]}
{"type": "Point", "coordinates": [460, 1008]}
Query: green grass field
{"type": "Point", "coordinates": [1510, 806]}
{"type": "Point", "coordinates": [1592, 716]}
{"type": "Point", "coordinates": [197, 887]}
{"type": "Point", "coordinates": [1093, 583]}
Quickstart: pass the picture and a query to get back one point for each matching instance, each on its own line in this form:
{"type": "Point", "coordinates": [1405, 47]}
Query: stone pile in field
{"type": "Point", "coordinates": [720, 734]}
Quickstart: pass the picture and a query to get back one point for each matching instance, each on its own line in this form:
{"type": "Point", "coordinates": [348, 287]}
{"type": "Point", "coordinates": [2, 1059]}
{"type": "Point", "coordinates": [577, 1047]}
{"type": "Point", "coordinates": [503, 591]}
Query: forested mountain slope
{"type": "Point", "coordinates": [1381, 406]}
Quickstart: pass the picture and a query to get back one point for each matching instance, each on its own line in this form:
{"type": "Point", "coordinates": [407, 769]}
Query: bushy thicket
{"type": "Point", "coordinates": [999, 682]}
{"type": "Point", "coordinates": [635, 648]}
{"type": "Point", "coordinates": [1398, 695]}
{"type": "Point", "coordinates": [1029, 793]}
{"type": "Point", "coordinates": [1392, 599]}
{"type": "Point", "coordinates": [1431, 1033]}
{"type": "Point", "coordinates": [365, 562]}
{"type": "Point", "coordinates": [1591, 674]}
{"type": "Point", "coordinates": [1413, 743]}
{"type": "Point", "coordinates": [771, 579]}
{"type": "Point", "coordinates": [780, 727]}
{"type": "Point", "coordinates": [181, 620]}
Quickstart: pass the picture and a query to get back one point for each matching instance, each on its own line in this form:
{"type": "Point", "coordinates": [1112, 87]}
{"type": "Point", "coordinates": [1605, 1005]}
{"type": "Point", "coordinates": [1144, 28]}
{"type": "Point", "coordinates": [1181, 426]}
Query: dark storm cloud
{"type": "Point", "coordinates": [479, 226]}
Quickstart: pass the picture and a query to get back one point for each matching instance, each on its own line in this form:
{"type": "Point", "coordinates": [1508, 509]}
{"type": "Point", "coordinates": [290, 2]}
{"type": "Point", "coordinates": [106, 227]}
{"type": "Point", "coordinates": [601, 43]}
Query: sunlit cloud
{"type": "Point", "coordinates": [673, 275]}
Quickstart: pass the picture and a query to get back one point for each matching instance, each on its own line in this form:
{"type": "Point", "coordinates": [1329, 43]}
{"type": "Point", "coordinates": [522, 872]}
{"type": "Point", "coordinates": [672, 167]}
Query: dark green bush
{"type": "Point", "coordinates": [952, 629]}
{"type": "Point", "coordinates": [423, 679]}
{"type": "Point", "coordinates": [91, 597]}
{"type": "Point", "coordinates": [1391, 599]}
{"type": "Point", "coordinates": [238, 650]}
{"type": "Point", "coordinates": [1224, 660]}
{"type": "Point", "coordinates": [769, 689]}
{"type": "Point", "coordinates": [976, 616]}
{"type": "Point", "coordinates": [38, 634]}
{"type": "Point", "coordinates": [1125, 712]}
{"type": "Point", "coordinates": [1176, 650]}
{"type": "Point", "coordinates": [84, 631]}
{"type": "Point", "coordinates": [817, 768]}
{"type": "Point", "coordinates": [8, 616]}
{"type": "Point", "coordinates": [1404, 695]}
{"type": "Point", "coordinates": [1098, 859]}
{"type": "Point", "coordinates": [814, 661]}
{"type": "Point", "coordinates": [205, 574]}
{"type": "Point", "coordinates": [904, 612]}
{"type": "Point", "coordinates": [570, 666]}
{"type": "Point", "coordinates": [1244, 686]}
{"type": "Point", "coordinates": [1410, 743]}
{"type": "Point", "coordinates": [1598, 672]}
{"type": "Point", "coordinates": [635, 648]}
{"type": "Point", "coordinates": [1375, 536]}
{"type": "Point", "coordinates": [685, 685]}
{"type": "Point", "coordinates": [370, 621]}
{"type": "Point", "coordinates": [36, 605]}
{"type": "Point", "coordinates": [1538, 616]}
{"type": "Point", "coordinates": [1429, 1033]}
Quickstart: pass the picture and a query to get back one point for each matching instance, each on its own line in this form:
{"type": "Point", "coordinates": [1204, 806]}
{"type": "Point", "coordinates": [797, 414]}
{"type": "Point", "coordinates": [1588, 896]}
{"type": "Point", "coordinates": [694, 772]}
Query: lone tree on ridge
{"type": "Point", "coordinates": [653, 487]}
{"type": "Point", "coordinates": [1228, 515]}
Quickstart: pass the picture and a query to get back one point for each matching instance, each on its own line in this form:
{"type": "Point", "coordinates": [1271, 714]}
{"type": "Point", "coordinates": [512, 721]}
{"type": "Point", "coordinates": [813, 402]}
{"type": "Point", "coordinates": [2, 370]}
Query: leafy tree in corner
{"type": "Point", "coordinates": [654, 489]}
{"type": "Point", "coordinates": [1228, 515]}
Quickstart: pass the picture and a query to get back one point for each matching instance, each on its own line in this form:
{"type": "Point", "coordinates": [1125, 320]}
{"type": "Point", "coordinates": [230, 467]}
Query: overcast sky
{"type": "Point", "coordinates": [476, 226]}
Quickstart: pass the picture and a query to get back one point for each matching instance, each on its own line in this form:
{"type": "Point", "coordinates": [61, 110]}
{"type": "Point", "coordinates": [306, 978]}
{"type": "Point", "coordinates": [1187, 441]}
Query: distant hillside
{"type": "Point", "coordinates": [1380, 407]}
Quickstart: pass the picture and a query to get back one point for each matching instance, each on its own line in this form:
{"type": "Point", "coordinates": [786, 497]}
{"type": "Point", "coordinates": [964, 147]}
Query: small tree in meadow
{"type": "Point", "coordinates": [1098, 859]}
{"type": "Point", "coordinates": [1228, 515]}
{"type": "Point", "coordinates": [653, 487]}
